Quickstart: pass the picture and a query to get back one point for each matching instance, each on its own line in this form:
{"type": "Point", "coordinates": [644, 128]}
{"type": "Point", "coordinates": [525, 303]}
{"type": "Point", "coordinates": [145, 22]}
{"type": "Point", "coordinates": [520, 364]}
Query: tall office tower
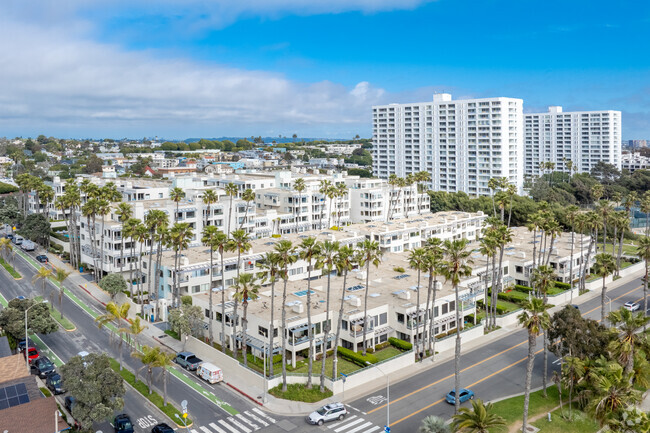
{"type": "Point", "coordinates": [461, 143]}
{"type": "Point", "coordinates": [582, 137]}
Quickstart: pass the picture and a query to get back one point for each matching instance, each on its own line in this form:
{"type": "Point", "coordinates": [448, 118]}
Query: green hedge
{"type": "Point", "coordinates": [357, 358]}
{"type": "Point", "coordinates": [500, 309]}
{"type": "Point", "coordinates": [516, 297]}
{"type": "Point", "coordinates": [400, 344]}
{"type": "Point", "coordinates": [563, 286]}
{"type": "Point", "coordinates": [524, 289]}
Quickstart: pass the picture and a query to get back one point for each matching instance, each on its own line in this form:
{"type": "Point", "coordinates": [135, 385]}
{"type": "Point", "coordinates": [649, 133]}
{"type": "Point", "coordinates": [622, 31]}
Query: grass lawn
{"type": "Point", "coordinates": [172, 334]}
{"type": "Point", "coordinates": [67, 325]}
{"type": "Point", "coordinates": [299, 392]}
{"type": "Point", "coordinates": [511, 409]}
{"type": "Point", "coordinates": [581, 423]}
{"type": "Point", "coordinates": [10, 269]}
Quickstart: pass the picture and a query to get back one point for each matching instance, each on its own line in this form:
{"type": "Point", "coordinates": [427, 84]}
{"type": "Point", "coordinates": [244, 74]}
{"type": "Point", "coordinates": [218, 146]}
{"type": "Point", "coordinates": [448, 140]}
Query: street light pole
{"type": "Point", "coordinates": [264, 377]}
{"type": "Point", "coordinates": [27, 338]}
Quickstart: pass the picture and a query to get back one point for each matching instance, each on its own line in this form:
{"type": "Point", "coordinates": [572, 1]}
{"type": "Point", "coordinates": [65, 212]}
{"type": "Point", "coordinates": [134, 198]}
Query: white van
{"type": "Point", "coordinates": [209, 372]}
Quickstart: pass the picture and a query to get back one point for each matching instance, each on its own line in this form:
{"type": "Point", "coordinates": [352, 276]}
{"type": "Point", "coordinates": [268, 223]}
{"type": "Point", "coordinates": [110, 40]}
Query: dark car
{"type": "Point", "coordinates": [42, 258]}
{"type": "Point", "coordinates": [10, 236]}
{"type": "Point", "coordinates": [162, 428]}
{"type": "Point", "coordinates": [21, 344]}
{"type": "Point", "coordinates": [43, 366]}
{"type": "Point", "coordinates": [55, 383]}
{"type": "Point", "coordinates": [122, 424]}
{"type": "Point", "coordinates": [69, 403]}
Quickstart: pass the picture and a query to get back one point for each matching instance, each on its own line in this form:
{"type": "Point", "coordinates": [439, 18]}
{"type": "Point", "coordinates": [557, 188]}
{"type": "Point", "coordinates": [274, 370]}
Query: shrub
{"type": "Point", "coordinates": [500, 309]}
{"type": "Point", "coordinates": [399, 269]}
{"type": "Point", "coordinates": [276, 236]}
{"type": "Point", "coordinates": [525, 289]}
{"type": "Point", "coordinates": [299, 392]}
{"type": "Point", "coordinates": [562, 286]}
{"type": "Point", "coordinates": [383, 345]}
{"type": "Point", "coordinates": [400, 344]}
{"type": "Point", "coordinates": [186, 300]}
{"type": "Point", "coordinates": [357, 358]}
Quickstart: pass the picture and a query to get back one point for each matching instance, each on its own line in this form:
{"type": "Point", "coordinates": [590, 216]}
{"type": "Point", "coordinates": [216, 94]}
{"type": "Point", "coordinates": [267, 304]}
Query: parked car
{"type": "Point", "coordinates": [28, 245]}
{"type": "Point", "coordinates": [21, 342]}
{"type": "Point", "coordinates": [10, 236]}
{"type": "Point", "coordinates": [632, 306]}
{"type": "Point", "coordinates": [69, 403]}
{"type": "Point", "coordinates": [122, 424]}
{"type": "Point", "coordinates": [329, 412]}
{"type": "Point", "coordinates": [55, 383]}
{"type": "Point", "coordinates": [18, 240]}
{"type": "Point", "coordinates": [43, 366]}
{"type": "Point", "coordinates": [209, 372]}
{"type": "Point", "coordinates": [162, 428]}
{"type": "Point", "coordinates": [32, 354]}
{"type": "Point", "coordinates": [464, 395]}
{"type": "Point", "coordinates": [188, 360]}
{"type": "Point", "coordinates": [42, 258]}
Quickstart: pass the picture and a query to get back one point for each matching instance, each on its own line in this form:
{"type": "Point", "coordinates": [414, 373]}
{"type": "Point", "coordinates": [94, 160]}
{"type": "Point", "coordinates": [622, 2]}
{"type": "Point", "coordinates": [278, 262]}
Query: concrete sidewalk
{"type": "Point", "coordinates": [291, 408]}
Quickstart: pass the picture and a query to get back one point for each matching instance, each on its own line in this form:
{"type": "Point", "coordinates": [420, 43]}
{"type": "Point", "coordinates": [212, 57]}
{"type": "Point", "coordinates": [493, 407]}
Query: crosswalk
{"type": "Point", "coordinates": [354, 424]}
{"type": "Point", "coordinates": [246, 422]}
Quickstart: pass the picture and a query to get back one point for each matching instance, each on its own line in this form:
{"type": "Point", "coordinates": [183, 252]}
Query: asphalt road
{"type": "Point", "coordinates": [492, 372]}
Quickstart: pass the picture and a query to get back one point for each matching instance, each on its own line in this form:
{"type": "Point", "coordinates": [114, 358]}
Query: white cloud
{"type": "Point", "coordinates": [54, 80]}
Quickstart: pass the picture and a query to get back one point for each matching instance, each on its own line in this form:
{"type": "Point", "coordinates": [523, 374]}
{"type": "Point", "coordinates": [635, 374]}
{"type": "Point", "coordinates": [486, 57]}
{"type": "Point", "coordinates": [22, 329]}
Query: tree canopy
{"type": "Point", "coordinates": [12, 318]}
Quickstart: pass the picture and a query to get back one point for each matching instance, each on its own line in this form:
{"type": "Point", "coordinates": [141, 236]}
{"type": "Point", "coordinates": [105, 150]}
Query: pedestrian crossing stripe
{"type": "Point", "coordinates": [354, 424]}
{"type": "Point", "coordinates": [259, 412]}
{"type": "Point", "coordinates": [256, 419]}
{"type": "Point", "coordinates": [246, 422]}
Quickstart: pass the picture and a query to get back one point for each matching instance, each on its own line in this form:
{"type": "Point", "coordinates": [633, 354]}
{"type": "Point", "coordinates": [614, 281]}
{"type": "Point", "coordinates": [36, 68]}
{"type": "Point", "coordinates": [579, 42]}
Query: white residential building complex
{"type": "Point", "coordinates": [582, 137]}
{"type": "Point", "coordinates": [461, 143]}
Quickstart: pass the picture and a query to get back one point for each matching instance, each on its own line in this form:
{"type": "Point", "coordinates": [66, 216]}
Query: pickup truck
{"type": "Point", "coordinates": [188, 360]}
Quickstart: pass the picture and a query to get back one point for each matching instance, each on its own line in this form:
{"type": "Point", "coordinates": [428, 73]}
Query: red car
{"type": "Point", "coordinates": [33, 354]}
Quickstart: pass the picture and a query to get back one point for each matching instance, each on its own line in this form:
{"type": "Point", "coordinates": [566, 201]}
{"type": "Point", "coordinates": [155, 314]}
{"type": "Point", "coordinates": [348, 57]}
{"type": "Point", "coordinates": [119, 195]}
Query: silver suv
{"type": "Point", "coordinates": [329, 412]}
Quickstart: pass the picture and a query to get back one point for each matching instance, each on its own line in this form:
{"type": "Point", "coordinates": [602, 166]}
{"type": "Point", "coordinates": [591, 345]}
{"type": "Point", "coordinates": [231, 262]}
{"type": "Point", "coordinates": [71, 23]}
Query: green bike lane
{"type": "Point", "coordinates": [94, 314]}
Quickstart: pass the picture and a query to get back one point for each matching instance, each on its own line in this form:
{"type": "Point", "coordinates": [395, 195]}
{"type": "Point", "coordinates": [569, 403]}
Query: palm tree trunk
{"type": "Point", "coordinates": [157, 275]}
{"type": "Point", "coordinates": [327, 334]}
{"type": "Point", "coordinates": [140, 285]}
{"type": "Point", "coordinates": [605, 234]}
{"type": "Point", "coordinates": [457, 353]}
{"type": "Point", "coordinates": [571, 267]}
{"type": "Point", "coordinates": [428, 316]}
{"type": "Point", "coordinates": [211, 334]}
{"type": "Point", "coordinates": [338, 328]}
{"type": "Point", "coordinates": [235, 317]}
{"type": "Point", "coordinates": [417, 320]}
{"type": "Point", "coordinates": [284, 332]}
{"type": "Point", "coordinates": [545, 374]}
{"type": "Point", "coordinates": [432, 326]}
{"type": "Point", "coordinates": [529, 374]}
{"type": "Point", "coordinates": [131, 266]}
{"type": "Point", "coordinates": [244, 324]}
{"type": "Point", "coordinates": [310, 335]}
{"type": "Point", "coordinates": [101, 248]}
{"type": "Point", "coordinates": [151, 242]}
{"type": "Point", "coordinates": [602, 302]}
{"type": "Point", "coordinates": [620, 253]}
{"type": "Point", "coordinates": [223, 306]}
{"type": "Point", "coordinates": [164, 386]}
{"type": "Point", "coordinates": [272, 331]}
{"type": "Point", "coordinates": [229, 215]}
{"type": "Point", "coordinates": [365, 308]}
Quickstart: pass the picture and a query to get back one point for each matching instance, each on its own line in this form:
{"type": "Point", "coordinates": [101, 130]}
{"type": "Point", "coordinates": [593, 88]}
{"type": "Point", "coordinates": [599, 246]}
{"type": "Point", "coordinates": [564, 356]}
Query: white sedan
{"type": "Point", "coordinates": [632, 306]}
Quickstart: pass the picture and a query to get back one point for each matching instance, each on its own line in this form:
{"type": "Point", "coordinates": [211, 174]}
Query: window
{"type": "Point", "coordinates": [383, 318]}
{"type": "Point", "coordinates": [452, 306]}
{"type": "Point", "coordinates": [264, 332]}
{"type": "Point", "coordinates": [400, 318]}
{"type": "Point", "coordinates": [344, 324]}
{"type": "Point", "coordinates": [445, 308]}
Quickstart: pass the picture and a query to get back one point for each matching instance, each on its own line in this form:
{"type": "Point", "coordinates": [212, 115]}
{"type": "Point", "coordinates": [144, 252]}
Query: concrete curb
{"type": "Point", "coordinates": [244, 394]}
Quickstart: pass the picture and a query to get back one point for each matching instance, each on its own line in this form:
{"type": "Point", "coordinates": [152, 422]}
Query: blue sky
{"type": "Point", "coordinates": [179, 68]}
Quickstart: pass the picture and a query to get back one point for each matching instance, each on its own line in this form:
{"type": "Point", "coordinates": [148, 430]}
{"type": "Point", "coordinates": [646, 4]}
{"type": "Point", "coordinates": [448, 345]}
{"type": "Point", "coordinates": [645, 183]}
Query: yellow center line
{"type": "Point", "coordinates": [475, 365]}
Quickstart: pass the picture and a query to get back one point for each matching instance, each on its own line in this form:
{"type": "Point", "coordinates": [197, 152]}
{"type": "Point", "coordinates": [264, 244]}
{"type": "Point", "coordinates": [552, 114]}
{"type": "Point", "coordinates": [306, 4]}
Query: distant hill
{"type": "Point", "coordinates": [267, 139]}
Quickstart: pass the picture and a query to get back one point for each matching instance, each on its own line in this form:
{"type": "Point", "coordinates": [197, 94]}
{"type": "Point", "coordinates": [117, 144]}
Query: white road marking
{"type": "Point", "coordinates": [348, 418]}
{"type": "Point", "coordinates": [259, 420]}
{"type": "Point", "coordinates": [375, 428]}
{"type": "Point", "coordinates": [241, 418]}
{"type": "Point", "coordinates": [240, 425]}
{"type": "Point", "coordinates": [361, 427]}
{"type": "Point", "coordinates": [259, 412]}
{"type": "Point", "coordinates": [226, 425]}
{"type": "Point", "coordinates": [205, 429]}
{"type": "Point", "coordinates": [348, 425]}
{"type": "Point", "coordinates": [216, 427]}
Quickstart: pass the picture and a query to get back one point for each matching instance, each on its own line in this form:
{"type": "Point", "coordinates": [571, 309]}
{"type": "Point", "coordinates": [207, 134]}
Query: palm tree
{"type": "Point", "coordinates": [457, 265]}
{"type": "Point", "coordinates": [299, 186]}
{"type": "Point", "coordinates": [434, 424]}
{"type": "Point", "coordinates": [42, 275]}
{"type": "Point", "coordinates": [148, 357]}
{"type": "Point", "coordinates": [417, 261]}
{"type": "Point", "coordinates": [141, 235]}
{"type": "Point", "coordinates": [130, 230]}
{"type": "Point", "coordinates": [309, 252]}
{"type": "Point", "coordinates": [592, 222]}
{"type": "Point", "coordinates": [327, 262]}
{"type": "Point", "coordinates": [341, 192]}
{"type": "Point", "coordinates": [115, 313]}
{"type": "Point", "coordinates": [165, 361]}
{"type": "Point", "coordinates": [544, 278]}
{"type": "Point", "coordinates": [231, 191]}
{"type": "Point", "coordinates": [478, 419]}
{"type": "Point", "coordinates": [176, 195]}
{"type": "Point", "coordinates": [605, 209]}
{"type": "Point", "coordinates": [488, 248]}
{"type": "Point", "coordinates": [221, 243]}
{"type": "Point", "coordinates": [124, 212]}
{"type": "Point", "coordinates": [60, 275]}
{"type": "Point", "coordinates": [534, 318]}
{"type": "Point", "coordinates": [89, 210]}
{"type": "Point", "coordinates": [433, 264]}
{"type": "Point", "coordinates": [240, 242]}
{"type": "Point", "coordinates": [210, 197]}
{"type": "Point", "coordinates": [612, 392]}
{"type": "Point", "coordinates": [103, 210]}
{"type": "Point", "coordinates": [153, 220]}
{"type": "Point", "coordinates": [270, 266]}
{"type": "Point", "coordinates": [179, 237]}
{"type": "Point", "coordinates": [323, 189]}
{"type": "Point", "coordinates": [581, 224]}
{"type": "Point", "coordinates": [246, 287]}
{"type": "Point", "coordinates": [6, 247]}
{"type": "Point", "coordinates": [210, 233]}
{"type": "Point", "coordinates": [573, 370]}
{"type": "Point", "coordinates": [643, 251]}
{"type": "Point", "coordinates": [331, 195]}
{"type": "Point", "coordinates": [572, 216]}
{"type": "Point", "coordinates": [286, 257]}
{"type": "Point", "coordinates": [627, 325]}
{"type": "Point", "coordinates": [621, 222]}
{"type": "Point", "coordinates": [135, 328]}
{"type": "Point", "coordinates": [604, 266]}
{"type": "Point", "coordinates": [369, 254]}
{"type": "Point", "coordinates": [345, 261]}
{"type": "Point", "coordinates": [645, 208]}
{"type": "Point", "coordinates": [248, 196]}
